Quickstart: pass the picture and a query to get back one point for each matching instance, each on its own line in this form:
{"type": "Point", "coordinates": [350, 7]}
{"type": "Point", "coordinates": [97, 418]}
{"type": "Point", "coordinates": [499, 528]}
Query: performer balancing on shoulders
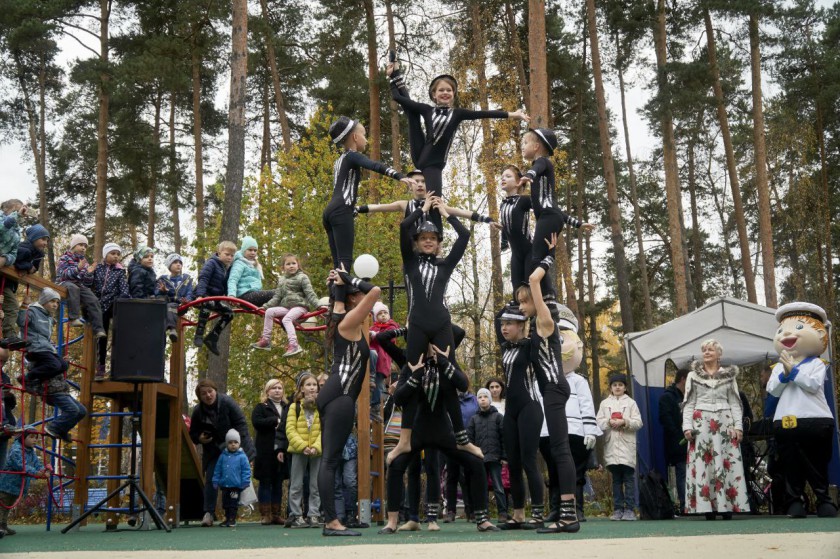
{"type": "Point", "coordinates": [538, 144]}
{"type": "Point", "coordinates": [429, 321]}
{"type": "Point", "coordinates": [419, 194]}
{"type": "Point", "coordinates": [338, 215]}
{"type": "Point", "coordinates": [429, 150]}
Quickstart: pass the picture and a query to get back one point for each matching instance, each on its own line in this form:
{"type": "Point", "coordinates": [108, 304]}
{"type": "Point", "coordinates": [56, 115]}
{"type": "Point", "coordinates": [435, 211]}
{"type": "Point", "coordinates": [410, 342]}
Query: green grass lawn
{"type": "Point", "coordinates": [251, 535]}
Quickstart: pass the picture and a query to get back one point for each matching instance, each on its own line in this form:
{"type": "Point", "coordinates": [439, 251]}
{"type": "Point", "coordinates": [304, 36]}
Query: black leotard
{"type": "Point", "coordinates": [429, 151]}
{"type": "Point", "coordinates": [523, 420]}
{"type": "Point", "coordinates": [338, 215]}
{"type": "Point", "coordinates": [514, 216]}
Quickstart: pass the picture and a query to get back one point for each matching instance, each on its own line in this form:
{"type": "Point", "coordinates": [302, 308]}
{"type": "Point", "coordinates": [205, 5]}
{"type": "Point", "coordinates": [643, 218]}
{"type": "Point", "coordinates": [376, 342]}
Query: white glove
{"type": "Point", "coordinates": [589, 442]}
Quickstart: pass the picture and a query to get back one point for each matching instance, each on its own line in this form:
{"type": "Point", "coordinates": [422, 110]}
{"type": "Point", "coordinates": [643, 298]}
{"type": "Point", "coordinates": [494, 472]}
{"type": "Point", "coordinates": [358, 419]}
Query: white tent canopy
{"type": "Point", "coordinates": [745, 330]}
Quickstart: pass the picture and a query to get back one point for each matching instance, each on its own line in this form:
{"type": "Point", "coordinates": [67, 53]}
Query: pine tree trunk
{"type": "Point", "coordinates": [265, 151]}
{"type": "Point", "coordinates": [616, 231]}
{"type": "Point", "coordinates": [594, 342]}
{"type": "Point", "coordinates": [275, 80]}
{"type": "Point", "coordinates": [537, 64]}
{"type": "Point", "coordinates": [731, 165]}
{"type": "Point", "coordinates": [199, 149]}
{"type": "Point", "coordinates": [102, 131]}
{"type": "Point", "coordinates": [644, 282]}
{"type": "Point", "coordinates": [175, 206]}
{"type": "Point", "coordinates": [696, 241]}
{"type": "Point", "coordinates": [217, 366]}
{"type": "Point", "coordinates": [373, 83]}
{"type": "Point", "coordinates": [672, 186]}
{"type": "Point", "coordinates": [765, 227]}
{"type": "Point", "coordinates": [487, 159]}
{"type": "Point", "coordinates": [517, 57]}
{"type": "Point", "coordinates": [580, 180]}
{"type": "Point", "coordinates": [155, 174]}
{"type": "Point", "coordinates": [395, 115]}
{"type": "Point", "coordinates": [825, 216]}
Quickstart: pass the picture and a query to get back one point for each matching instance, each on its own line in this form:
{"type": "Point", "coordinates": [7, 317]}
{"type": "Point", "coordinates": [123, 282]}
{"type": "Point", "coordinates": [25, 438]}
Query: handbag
{"type": "Point", "coordinates": [248, 496]}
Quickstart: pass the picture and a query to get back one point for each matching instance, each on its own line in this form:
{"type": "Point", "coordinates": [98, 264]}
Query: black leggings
{"type": "Point", "coordinates": [204, 311]}
{"type": "Point", "coordinates": [341, 232]}
{"type": "Point", "coordinates": [580, 456]}
{"type": "Point", "coordinates": [103, 341]}
{"type": "Point", "coordinates": [431, 465]}
{"type": "Point", "coordinates": [434, 180]}
{"type": "Point", "coordinates": [455, 475]}
{"type": "Point", "coordinates": [432, 435]}
{"type": "Point", "coordinates": [521, 431]}
{"type": "Point", "coordinates": [520, 263]}
{"type": "Point", "coordinates": [257, 297]}
{"type": "Point", "coordinates": [555, 397]}
{"type": "Point", "coordinates": [547, 224]}
{"type": "Point", "coordinates": [336, 425]}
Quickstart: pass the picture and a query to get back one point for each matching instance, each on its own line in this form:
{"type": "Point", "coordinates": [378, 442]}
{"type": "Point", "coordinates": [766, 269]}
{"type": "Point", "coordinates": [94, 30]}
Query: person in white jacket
{"type": "Point", "coordinates": [619, 418]}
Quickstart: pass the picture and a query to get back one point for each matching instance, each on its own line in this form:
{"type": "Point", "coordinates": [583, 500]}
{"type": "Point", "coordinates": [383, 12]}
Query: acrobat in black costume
{"type": "Point", "coordinates": [523, 420]}
{"type": "Point", "coordinates": [433, 430]}
{"type": "Point", "coordinates": [426, 278]}
{"type": "Point", "coordinates": [515, 217]}
{"type": "Point", "coordinates": [549, 218]}
{"type": "Point", "coordinates": [429, 150]}
{"type": "Point", "coordinates": [338, 215]}
{"type": "Point", "coordinates": [337, 400]}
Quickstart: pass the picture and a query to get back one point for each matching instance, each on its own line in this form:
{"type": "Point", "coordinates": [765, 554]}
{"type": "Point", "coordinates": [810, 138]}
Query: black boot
{"type": "Point", "coordinates": [554, 505]}
{"type": "Point", "coordinates": [211, 341]}
{"type": "Point", "coordinates": [579, 504]}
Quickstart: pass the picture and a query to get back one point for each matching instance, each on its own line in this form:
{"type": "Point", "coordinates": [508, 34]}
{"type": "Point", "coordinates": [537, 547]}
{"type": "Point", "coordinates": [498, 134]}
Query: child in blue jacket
{"type": "Point", "coordinates": [232, 475]}
{"type": "Point", "coordinates": [212, 282]}
{"type": "Point", "coordinates": [22, 458]}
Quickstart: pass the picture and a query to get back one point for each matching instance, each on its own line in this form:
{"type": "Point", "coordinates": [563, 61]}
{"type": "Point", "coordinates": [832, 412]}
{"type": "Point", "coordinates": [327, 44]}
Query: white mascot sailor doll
{"type": "Point", "coordinates": [803, 424]}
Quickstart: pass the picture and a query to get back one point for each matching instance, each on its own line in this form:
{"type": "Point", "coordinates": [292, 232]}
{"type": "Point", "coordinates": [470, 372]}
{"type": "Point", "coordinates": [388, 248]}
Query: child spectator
{"type": "Point", "coordinates": [109, 284]}
{"type": "Point", "coordinates": [22, 458]}
{"type": "Point", "coordinates": [142, 284]}
{"type": "Point", "coordinates": [232, 475]}
{"type": "Point", "coordinates": [619, 418]}
{"type": "Point", "coordinates": [9, 404]}
{"type": "Point", "coordinates": [303, 429]}
{"type": "Point", "coordinates": [30, 253]}
{"type": "Point", "coordinates": [75, 274]}
{"type": "Point", "coordinates": [46, 369]}
{"type": "Point", "coordinates": [293, 298]}
{"type": "Point", "coordinates": [246, 275]}
{"type": "Point", "coordinates": [382, 322]}
{"type": "Point", "coordinates": [176, 285]}
{"type": "Point", "coordinates": [212, 282]}
{"type": "Point", "coordinates": [485, 431]}
{"type": "Point", "coordinates": [9, 242]}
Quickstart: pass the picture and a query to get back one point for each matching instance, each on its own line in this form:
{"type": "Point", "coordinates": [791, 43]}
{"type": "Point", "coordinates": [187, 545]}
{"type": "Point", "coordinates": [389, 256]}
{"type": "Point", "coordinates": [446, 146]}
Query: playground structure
{"type": "Point", "coordinates": [169, 463]}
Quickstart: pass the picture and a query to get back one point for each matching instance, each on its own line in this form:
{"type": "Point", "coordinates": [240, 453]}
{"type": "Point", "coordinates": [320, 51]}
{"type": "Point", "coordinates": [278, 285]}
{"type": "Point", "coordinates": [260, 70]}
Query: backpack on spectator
{"type": "Point", "coordinates": [654, 500]}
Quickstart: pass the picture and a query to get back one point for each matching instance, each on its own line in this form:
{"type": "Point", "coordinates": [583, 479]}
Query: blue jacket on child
{"type": "Point", "coordinates": [28, 257]}
{"type": "Point", "coordinates": [109, 284]}
{"type": "Point", "coordinates": [232, 470]}
{"type": "Point", "coordinates": [10, 483]}
{"type": "Point", "coordinates": [142, 281]}
{"type": "Point", "coordinates": [39, 326]}
{"type": "Point", "coordinates": [9, 237]}
{"type": "Point", "coordinates": [178, 288]}
{"type": "Point", "coordinates": [244, 276]}
{"type": "Point", "coordinates": [68, 269]}
{"type": "Point", "coordinates": [212, 279]}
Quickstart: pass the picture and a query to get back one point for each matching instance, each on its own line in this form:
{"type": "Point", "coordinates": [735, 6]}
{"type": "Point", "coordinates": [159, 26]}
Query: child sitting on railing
{"type": "Point", "coordinates": [212, 282]}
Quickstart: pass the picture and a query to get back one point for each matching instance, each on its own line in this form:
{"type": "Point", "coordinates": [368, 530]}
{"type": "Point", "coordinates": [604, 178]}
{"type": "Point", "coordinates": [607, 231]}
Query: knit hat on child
{"type": "Point", "coordinates": [78, 239]}
{"type": "Point", "coordinates": [172, 258]}
{"type": "Point", "coordinates": [486, 392]}
{"type": "Point", "coordinates": [47, 295]}
{"type": "Point", "coordinates": [110, 247]}
{"type": "Point", "coordinates": [35, 232]}
{"type": "Point", "coordinates": [618, 377]}
{"type": "Point", "coordinates": [248, 242]}
{"type": "Point", "coordinates": [232, 435]}
{"type": "Point", "coordinates": [141, 253]}
{"type": "Point", "coordinates": [378, 307]}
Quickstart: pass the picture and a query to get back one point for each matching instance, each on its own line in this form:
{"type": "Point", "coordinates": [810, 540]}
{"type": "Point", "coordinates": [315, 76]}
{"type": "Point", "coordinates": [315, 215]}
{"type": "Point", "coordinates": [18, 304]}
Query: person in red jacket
{"type": "Point", "coordinates": [382, 321]}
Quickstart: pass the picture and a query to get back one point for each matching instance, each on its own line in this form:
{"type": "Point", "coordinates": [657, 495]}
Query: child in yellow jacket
{"type": "Point", "coordinates": [303, 429]}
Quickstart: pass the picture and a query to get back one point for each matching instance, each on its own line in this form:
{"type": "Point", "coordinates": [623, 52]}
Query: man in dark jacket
{"type": "Point", "coordinates": [211, 419]}
{"type": "Point", "coordinates": [670, 417]}
{"type": "Point", "coordinates": [485, 431]}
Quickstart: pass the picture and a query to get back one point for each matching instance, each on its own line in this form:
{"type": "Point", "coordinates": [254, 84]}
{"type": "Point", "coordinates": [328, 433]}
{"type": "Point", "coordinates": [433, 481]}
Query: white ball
{"type": "Point", "coordinates": [366, 266]}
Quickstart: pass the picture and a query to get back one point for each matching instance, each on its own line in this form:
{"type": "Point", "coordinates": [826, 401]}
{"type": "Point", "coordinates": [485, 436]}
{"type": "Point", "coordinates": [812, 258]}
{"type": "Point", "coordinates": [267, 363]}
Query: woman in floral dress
{"type": "Point", "coordinates": [712, 417]}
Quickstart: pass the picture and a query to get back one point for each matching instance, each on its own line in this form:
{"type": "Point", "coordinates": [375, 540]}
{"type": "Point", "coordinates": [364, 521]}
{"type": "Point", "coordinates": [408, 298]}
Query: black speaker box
{"type": "Point", "coordinates": [138, 349]}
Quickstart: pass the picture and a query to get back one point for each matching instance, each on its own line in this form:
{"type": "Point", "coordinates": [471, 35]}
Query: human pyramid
{"type": "Point", "coordinates": [430, 375]}
{"type": "Point", "coordinates": [430, 378]}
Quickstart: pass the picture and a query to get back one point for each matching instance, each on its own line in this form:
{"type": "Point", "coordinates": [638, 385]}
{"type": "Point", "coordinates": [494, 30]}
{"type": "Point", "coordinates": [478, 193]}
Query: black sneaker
{"type": "Point", "coordinates": [211, 343]}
